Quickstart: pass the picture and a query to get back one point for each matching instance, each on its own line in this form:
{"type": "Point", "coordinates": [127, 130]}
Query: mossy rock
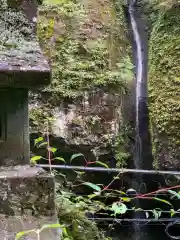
{"type": "Point", "coordinates": [17, 37]}
{"type": "Point", "coordinates": [87, 46]}
{"type": "Point", "coordinates": [164, 83]}
{"type": "Point", "coordinates": [77, 225]}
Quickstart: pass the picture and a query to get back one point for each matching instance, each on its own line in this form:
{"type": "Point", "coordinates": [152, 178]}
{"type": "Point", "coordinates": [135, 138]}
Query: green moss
{"type": "Point", "coordinates": [85, 47]}
{"type": "Point", "coordinates": [164, 83]}
{"type": "Point", "coordinates": [16, 34]}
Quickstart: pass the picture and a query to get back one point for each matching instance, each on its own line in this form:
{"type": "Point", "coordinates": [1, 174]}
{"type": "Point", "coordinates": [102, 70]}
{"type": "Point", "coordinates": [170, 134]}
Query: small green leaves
{"type": "Point", "coordinates": [172, 212]}
{"type": "Point", "coordinates": [38, 140]}
{"type": "Point", "coordinates": [50, 226]}
{"type": "Point", "coordinates": [52, 149]}
{"type": "Point", "coordinates": [19, 235]}
{"type": "Point", "coordinates": [75, 156]}
{"type": "Point", "coordinates": [102, 164]}
{"type": "Point", "coordinates": [175, 194]}
{"type": "Point", "coordinates": [35, 159]}
{"type": "Point", "coordinates": [156, 214]}
{"type": "Point", "coordinates": [92, 185]}
{"type": "Point", "coordinates": [38, 231]}
{"type": "Point", "coordinates": [126, 199]}
{"type": "Point", "coordinates": [120, 192]}
{"type": "Point", "coordinates": [59, 159]}
{"type": "Point", "coordinates": [119, 208]}
{"type": "Point", "coordinates": [95, 194]}
{"type": "Point", "coordinates": [42, 144]}
{"type": "Point", "coordinates": [163, 200]}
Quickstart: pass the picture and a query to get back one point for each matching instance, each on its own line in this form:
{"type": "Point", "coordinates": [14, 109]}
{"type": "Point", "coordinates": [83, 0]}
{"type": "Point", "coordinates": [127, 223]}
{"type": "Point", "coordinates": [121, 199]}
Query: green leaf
{"type": "Point", "coordinates": [50, 226]}
{"type": "Point", "coordinates": [92, 185]}
{"type": "Point", "coordinates": [21, 234]}
{"type": "Point", "coordinates": [60, 159]}
{"type": "Point", "coordinates": [76, 155]}
{"type": "Point", "coordinates": [102, 164]}
{"type": "Point", "coordinates": [119, 208]}
{"type": "Point", "coordinates": [156, 214]}
{"type": "Point", "coordinates": [42, 144]}
{"type": "Point", "coordinates": [35, 159]}
{"type": "Point", "coordinates": [37, 140]}
{"type": "Point", "coordinates": [138, 209]}
{"type": "Point", "coordinates": [172, 212]}
{"type": "Point", "coordinates": [121, 192]}
{"type": "Point", "coordinates": [126, 199]}
{"type": "Point", "coordinates": [174, 193]}
{"type": "Point", "coordinates": [162, 200]}
{"type": "Point", "coordinates": [79, 173]}
{"type": "Point", "coordinates": [116, 178]}
{"type": "Point", "coordinates": [52, 149]}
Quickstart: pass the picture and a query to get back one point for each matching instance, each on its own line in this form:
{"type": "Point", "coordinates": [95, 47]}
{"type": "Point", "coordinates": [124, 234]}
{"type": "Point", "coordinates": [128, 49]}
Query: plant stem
{"type": "Point", "coordinates": [48, 149]}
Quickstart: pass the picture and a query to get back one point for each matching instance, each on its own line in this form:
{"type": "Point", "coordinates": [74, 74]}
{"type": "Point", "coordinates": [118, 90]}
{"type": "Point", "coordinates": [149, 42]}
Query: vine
{"type": "Point", "coordinates": [103, 198]}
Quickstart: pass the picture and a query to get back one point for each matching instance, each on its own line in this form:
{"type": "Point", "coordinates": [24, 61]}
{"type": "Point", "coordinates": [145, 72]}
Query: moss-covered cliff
{"type": "Point", "coordinates": [164, 83]}
{"type": "Point", "coordinates": [86, 42]}
{"type": "Point", "coordinates": [87, 45]}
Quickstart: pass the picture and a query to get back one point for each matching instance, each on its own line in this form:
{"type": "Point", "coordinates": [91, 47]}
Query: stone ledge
{"type": "Point", "coordinates": [26, 190]}
{"type": "Point", "coordinates": [9, 226]}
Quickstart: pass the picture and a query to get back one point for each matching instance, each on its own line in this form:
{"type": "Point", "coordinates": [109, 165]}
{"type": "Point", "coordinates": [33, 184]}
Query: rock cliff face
{"type": "Point", "coordinates": [88, 45]}
{"type": "Point", "coordinates": [90, 55]}
{"type": "Point", "coordinates": [164, 82]}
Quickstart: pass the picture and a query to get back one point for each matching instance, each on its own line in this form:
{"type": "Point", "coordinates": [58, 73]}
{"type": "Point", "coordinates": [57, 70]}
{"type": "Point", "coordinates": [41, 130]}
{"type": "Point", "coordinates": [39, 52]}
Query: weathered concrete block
{"type": "Point", "coordinates": [26, 202]}
{"type": "Point", "coordinates": [14, 138]}
{"type": "Point", "coordinates": [22, 64]}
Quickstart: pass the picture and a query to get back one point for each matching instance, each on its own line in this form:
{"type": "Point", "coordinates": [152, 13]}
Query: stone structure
{"type": "Point", "coordinates": [26, 193]}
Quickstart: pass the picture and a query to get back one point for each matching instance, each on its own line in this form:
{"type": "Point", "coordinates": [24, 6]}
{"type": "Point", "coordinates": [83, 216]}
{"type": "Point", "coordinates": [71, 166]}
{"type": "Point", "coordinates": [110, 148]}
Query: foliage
{"type": "Point", "coordinates": [78, 46]}
{"type": "Point", "coordinates": [121, 146]}
{"type": "Point", "coordinates": [90, 57]}
{"type": "Point", "coordinates": [94, 202]}
{"type": "Point", "coordinates": [19, 235]}
{"type": "Point", "coordinates": [73, 217]}
{"type": "Point", "coordinates": [163, 87]}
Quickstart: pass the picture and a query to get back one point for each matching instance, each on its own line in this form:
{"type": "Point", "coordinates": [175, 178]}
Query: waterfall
{"type": "Point", "coordinates": [139, 80]}
{"type": "Point", "coordinates": [143, 156]}
{"type": "Point", "coordinates": [141, 98]}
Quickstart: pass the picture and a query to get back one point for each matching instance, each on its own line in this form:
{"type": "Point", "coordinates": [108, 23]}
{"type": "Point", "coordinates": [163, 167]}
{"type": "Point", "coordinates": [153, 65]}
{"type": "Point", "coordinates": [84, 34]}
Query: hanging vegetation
{"type": "Point", "coordinates": [164, 83]}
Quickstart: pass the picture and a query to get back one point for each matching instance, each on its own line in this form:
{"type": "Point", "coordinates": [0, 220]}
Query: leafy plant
{"type": "Point", "coordinates": [19, 235]}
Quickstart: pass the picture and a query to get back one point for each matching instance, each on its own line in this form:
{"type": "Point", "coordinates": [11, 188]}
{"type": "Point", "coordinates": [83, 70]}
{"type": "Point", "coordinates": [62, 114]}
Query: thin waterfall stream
{"type": "Point", "coordinates": [139, 80]}
{"type": "Point", "coordinates": [140, 62]}
{"type": "Point", "coordinates": [139, 41]}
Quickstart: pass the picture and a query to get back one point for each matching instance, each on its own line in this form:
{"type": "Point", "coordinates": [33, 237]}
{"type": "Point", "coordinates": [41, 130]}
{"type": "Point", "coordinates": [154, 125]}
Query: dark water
{"type": "Point", "coordinates": [153, 232]}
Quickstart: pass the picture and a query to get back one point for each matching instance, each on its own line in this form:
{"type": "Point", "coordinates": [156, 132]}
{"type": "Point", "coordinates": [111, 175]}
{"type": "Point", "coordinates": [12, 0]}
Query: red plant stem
{"type": "Point", "coordinates": [107, 187]}
{"type": "Point", "coordinates": [48, 148]}
{"type": "Point", "coordinates": [88, 163]}
{"type": "Point", "coordinates": [157, 191]}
